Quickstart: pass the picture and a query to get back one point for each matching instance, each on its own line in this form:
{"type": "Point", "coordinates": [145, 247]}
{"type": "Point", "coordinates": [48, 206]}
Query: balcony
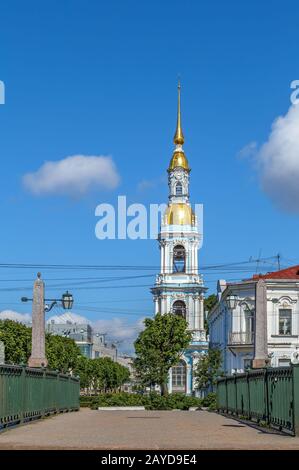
{"type": "Point", "coordinates": [241, 338]}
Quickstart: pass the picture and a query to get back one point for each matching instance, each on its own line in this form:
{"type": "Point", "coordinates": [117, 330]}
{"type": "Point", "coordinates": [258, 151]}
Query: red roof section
{"type": "Point", "coordinates": [288, 273]}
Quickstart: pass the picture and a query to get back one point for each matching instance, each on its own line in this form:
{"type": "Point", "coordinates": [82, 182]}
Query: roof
{"type": "Point", "coordinates": [288, 273]}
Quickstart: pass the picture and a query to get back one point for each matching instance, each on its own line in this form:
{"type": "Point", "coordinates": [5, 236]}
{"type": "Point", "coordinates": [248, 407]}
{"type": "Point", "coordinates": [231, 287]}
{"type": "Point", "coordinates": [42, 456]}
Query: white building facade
{"type": "Point", "coordinates": [179, 286]}
{"type": "Point", "coordinates": [233, 327]}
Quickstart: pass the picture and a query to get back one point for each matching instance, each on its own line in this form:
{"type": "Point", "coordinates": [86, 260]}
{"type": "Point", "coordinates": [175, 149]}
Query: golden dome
{"type": "Point", "coordinates": [179, 159]}
{"type": "Point", "coordinates": [179, 214]}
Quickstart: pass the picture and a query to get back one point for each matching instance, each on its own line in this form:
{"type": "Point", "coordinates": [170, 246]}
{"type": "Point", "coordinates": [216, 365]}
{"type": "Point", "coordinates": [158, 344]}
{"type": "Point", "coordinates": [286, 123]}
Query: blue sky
{"type": "Point", "coordinates": [99, 78]}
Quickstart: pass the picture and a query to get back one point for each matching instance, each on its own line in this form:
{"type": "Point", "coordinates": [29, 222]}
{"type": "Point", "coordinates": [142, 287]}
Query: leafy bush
{"type": "Point", "coordinates": [174, 401]}
{"type": "Point", "coordinates": [152, 401]}
{"type": "Point", "coordinates": [209, 401]}
{"type": "Point", "coordinates": [119, 399]}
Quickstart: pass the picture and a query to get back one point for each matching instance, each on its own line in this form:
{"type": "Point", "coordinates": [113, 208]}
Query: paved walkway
{"type": "Point", "coordinates": [89, 429]}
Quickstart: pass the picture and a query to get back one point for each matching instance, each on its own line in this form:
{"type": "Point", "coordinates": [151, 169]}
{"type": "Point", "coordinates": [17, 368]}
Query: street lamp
{"type": "Point", "coordinates": [231, 301]}
{"type": "Point", "coordinates": [66, 301]}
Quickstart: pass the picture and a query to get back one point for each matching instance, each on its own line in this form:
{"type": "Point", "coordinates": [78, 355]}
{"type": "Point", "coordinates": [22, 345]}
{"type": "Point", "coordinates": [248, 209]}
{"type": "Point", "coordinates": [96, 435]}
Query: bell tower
{"type": "Point", "coordinates": [179, 287]}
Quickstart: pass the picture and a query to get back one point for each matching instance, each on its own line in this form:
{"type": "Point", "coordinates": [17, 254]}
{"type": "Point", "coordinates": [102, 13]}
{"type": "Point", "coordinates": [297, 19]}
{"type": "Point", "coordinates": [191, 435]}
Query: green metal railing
{"type": "Point", "coordinates": [27, 394]}
{"type": "Point", "coordinates": [269, 396]}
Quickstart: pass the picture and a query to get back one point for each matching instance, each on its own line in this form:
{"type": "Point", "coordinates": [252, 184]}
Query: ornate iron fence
{"type": "Point", "coordinates": [269, 396]}
{"type": "Point", "coordinates": [27, 394]}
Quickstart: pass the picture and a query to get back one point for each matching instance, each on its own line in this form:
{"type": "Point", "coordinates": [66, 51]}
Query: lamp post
{"type": "Point", "coordinates": [66, 301]}
{"type": "Point", "coordinates": [38, 353]}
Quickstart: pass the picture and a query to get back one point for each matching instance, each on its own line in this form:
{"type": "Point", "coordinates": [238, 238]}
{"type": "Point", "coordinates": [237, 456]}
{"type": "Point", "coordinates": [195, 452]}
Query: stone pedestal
{"type": "Point", "coordinates": [38, 353]}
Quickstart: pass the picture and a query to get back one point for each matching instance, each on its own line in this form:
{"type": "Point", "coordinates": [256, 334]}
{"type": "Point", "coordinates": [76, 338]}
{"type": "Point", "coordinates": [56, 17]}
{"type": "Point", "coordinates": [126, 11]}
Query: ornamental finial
{"type": "Point", "coordinates": [179, 136]}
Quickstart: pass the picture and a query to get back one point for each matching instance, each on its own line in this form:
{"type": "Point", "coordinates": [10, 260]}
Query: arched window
{"type": "Point", "coordinates": [179, 189]}
{"type": "Point", "coordinates": [179, 256]}
{"type": "Point", "coordinates": [179, 377]}
{"type": "Point", "coordinates": [179, 308]}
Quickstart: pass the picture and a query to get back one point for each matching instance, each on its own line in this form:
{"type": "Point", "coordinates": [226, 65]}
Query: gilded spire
{"type": "Point", "coordinates": [179, 136]}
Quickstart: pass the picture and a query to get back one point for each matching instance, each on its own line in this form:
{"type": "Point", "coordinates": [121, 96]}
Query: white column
{"type": "Point", "coordinates": [156, 300]}
{"type": "Point", "coordinates": [196, 313]}
{"type": "Point", "coordinates": [201, 313]}
{"type": "Point", "coordinates": [164, 304]}
{"type": "Point", "coordinates": [167, 308]}
{"type": "Point", "coordinates": [169, 260]}
{"type": "Point", "coordinates": [190, 258]}
{"type": "Point", "coordinates": [188, 261]}
{"type": "Point", "coordinates": [170, 381]}
{"type": "Point", "coordinates": [195, 258]}
{"type": "Point", "coordinates": [166, 258]}
{"type": "Point", "coordinates": [188, 379]}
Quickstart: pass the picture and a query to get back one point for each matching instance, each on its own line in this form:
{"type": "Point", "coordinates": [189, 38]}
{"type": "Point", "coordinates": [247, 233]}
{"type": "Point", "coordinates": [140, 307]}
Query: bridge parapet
{"type": "Point", "coordinates": [29, 393]}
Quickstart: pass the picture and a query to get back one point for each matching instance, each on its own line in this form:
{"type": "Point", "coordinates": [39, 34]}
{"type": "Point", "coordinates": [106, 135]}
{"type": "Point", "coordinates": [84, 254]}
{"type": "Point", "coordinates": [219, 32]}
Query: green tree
{"type": "Point", "coordinates": [62, 353]}
{"type": "Point", "coordinates": [208, 369]}
{"type": "Point", "coordinates": [159, 347]}
{"type": "Point", "coordinates": [122, 375]}
{"type": "Point", "coordinates": [17, 341]}
{"type": "Point", "coordinates": [101, 374]}
{"type": "Point", "coordinates": [209, 303]}
{"type": "Point", "coordinates": [83, 369]}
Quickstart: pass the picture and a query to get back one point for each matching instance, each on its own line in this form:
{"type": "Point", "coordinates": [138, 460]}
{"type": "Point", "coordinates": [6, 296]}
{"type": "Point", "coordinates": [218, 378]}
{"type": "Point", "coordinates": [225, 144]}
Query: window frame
{"type": "Point", "coordinates": [179, 376]}
{"type": "Point", "coordinates": [289, 309]}
{"type": "Point", "coordinates": [184, 308]}
{"type": "Point", "coordinates": [179, 185]}
{"type": "Point", "coordinates": [179, 260]}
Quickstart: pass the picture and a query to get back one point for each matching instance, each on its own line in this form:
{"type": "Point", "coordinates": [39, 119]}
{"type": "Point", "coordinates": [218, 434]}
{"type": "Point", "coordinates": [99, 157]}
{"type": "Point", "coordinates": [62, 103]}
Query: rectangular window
{"type": "Point", "coordinates": [285, 321]}
{"type": "Point", "coordinates": [284, 362]}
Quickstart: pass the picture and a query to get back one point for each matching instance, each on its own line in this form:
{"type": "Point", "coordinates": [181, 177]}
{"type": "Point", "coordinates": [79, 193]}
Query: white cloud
{"type": "Point", "coordinates": [119, 329]}
{"type": "Point", "coordinates": [248, 151]}
{"type": "Point", "coordinates": [73, 176]}
{"type": "Point", "coordinates": [68, 317]}
{"type": "Point", "coordinates": [12, 315]}
{"type": "Point", "coordinates": [277, 162]}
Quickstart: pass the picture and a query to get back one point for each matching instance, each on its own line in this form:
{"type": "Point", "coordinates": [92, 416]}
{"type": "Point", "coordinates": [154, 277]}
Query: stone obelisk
{"type": "Point", "coordinates": [260, 337]}
{"type": "Point", "coordinates": [38, 352]}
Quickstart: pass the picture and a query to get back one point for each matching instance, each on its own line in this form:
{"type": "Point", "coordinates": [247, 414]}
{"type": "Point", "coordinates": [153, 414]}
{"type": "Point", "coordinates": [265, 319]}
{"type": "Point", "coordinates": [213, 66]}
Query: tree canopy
{"type": "Point", "coordinates": [17, 341]}
{"type": "Point", "coordinates": [159, 347]}
{"type": "Point", "coordinates": [209, 303]}
{"type": "Point", "coordinates": [208, 369]}
{"type": "Point", "coordinates": [62, 353]}
{"type": "Point", "coordinates": [101, 374]}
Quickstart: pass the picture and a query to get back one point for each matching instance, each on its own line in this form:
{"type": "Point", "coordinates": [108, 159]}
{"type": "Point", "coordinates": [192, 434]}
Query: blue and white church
{"type": "Point", "coordinates": [179, 287]}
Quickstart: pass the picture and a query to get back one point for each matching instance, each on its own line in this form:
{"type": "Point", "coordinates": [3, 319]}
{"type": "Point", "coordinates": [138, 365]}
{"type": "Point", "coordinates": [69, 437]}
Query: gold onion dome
{"type": "Point", "coordinates": [179, 214]}
{"type": "Point", "coordinates": [179, 158]}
